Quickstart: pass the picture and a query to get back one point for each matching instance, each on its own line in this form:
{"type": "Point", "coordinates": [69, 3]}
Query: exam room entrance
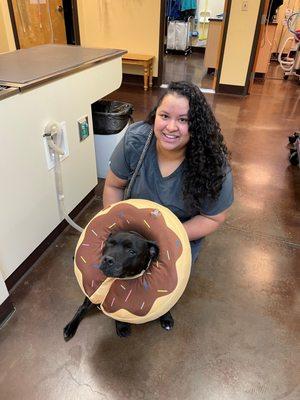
{"type": "Point", "coordinates": [277, 44]}
{"type": "Point", "coordinates": [192, 41]}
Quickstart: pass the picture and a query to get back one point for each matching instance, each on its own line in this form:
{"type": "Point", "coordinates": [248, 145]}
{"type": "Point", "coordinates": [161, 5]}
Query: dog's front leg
{"type": "Point", "coordinates": [167, 321]}
{"type": "Point", "coordinates": [71, 328]}
{"type": "Point", "coordinates": [123, 329]}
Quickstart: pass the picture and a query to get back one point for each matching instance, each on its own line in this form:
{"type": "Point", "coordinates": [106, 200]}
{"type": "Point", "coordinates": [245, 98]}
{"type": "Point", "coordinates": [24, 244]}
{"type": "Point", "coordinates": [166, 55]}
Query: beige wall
{"type": "Point", "coordinates": [125, 24]}
{"type": "Point", "coordinates": [238, 46]}
{"type": "Point", "coordinates": [7, 42]}
{"type": "Point", "coordinates": [134, 25]}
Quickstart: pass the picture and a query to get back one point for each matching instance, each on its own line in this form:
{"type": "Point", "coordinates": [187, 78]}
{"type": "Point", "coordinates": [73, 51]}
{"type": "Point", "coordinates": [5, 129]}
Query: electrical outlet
{"type": "Point", "coordinates": [245, 5]}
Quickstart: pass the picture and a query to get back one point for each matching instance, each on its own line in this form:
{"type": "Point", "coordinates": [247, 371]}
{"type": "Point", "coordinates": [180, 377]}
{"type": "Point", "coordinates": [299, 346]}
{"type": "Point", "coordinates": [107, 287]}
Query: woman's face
{"type": "Point", "coordinates": [171, 126]}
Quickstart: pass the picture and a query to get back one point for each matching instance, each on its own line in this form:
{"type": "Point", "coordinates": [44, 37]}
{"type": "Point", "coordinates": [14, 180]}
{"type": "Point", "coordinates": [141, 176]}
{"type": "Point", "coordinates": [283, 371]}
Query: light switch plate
{"type": "Point", "coordinates": [245, 5]}
{"type": "Point", "coordinates": [83, 127]}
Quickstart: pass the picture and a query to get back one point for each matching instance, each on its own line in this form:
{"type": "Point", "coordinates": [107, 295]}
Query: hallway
{"type": "Point", "coordinates": [237, 326]}
{"type": "Point", "coordinates": [191, 67]}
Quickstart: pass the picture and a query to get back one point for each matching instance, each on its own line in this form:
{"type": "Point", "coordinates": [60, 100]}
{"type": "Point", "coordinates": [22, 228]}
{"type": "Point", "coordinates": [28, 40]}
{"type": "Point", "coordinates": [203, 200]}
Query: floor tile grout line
{"type": "Point", "coordinates": [264, 236]}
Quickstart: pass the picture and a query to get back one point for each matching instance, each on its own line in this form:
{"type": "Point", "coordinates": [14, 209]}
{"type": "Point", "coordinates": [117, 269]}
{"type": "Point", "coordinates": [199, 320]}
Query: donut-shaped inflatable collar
{"type": "Point", "coordinates": [154, 292]}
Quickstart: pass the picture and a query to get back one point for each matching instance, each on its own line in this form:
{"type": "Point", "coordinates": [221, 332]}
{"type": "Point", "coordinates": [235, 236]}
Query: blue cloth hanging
{"type": "Point", "coordinates": [173, 9]}
{"type": "Point", "coordinates": [188, 5]}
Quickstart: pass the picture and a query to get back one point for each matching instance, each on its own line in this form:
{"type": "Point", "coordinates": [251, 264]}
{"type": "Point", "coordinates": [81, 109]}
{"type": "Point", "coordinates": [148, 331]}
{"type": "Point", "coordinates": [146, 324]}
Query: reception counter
{"type": "Point", "coordinates": [214, 39]}
{"type": "Point", "coordinates": [38, 85]}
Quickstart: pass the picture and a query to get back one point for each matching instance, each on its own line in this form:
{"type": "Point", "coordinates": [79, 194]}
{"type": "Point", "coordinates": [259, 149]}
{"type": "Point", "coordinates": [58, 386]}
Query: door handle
{"type": "Point", "coordinates": [60, 9]}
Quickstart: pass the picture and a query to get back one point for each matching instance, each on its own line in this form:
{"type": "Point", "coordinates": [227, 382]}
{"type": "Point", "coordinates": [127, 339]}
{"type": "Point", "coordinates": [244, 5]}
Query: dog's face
{"type": "Point", "coordinates": [126, 254]}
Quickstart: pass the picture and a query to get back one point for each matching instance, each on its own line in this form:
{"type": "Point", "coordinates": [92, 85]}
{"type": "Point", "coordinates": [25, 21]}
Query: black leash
{"type": "Point", "coordinates": [127, 191]}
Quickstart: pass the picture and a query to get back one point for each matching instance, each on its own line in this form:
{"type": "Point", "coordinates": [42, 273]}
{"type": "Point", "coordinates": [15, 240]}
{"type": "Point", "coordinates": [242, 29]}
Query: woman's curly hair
{"type": "Point", "coordinates": [206, 153]}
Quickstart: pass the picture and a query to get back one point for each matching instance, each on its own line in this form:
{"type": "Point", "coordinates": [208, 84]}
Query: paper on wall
{"type": "Point", "coordinates": [38, 1]}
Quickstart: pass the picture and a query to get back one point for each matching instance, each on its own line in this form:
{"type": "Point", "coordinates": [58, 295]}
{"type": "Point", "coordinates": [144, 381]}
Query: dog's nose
{"type": "Point", "coordinates": [108, 260]}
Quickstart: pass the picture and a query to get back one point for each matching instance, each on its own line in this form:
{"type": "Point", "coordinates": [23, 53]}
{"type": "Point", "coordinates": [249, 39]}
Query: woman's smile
{"type": "Point", "coordinates": [170, 137]}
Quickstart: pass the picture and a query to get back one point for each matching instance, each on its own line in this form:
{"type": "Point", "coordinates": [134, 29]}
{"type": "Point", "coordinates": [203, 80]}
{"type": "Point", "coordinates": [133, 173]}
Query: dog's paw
{"type": "Point", "coordinates": [166, 322]}
{"type": "Point", "coordinates": [69, 332]}
{"type": "Point", "coordinates": [123, 329]}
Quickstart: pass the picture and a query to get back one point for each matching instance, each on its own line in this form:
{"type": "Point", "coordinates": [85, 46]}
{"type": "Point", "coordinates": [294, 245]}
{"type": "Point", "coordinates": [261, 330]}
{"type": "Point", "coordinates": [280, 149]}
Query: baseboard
{"type": "Point", "coordinates": [231, 89]}
{"type": "Point", "coordinates": [33, 257]}
{"type": "Point", "coordinates": [211, 70]}
{"type": "Point", "coordinates": [138, 80]}
{"type": "Point", "coordinates": [259, 75]}
{"type": "Point", "coordinates": [196, 49]}
{"type": "Point", "coordinates": [6, 310]}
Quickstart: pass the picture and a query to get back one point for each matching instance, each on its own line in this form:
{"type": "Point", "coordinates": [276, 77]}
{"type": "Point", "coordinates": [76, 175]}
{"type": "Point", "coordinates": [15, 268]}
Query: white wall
{"type": "Point", "coordinates": [3, 290]}
{"type": "Point", "coordinates": [214, 6]}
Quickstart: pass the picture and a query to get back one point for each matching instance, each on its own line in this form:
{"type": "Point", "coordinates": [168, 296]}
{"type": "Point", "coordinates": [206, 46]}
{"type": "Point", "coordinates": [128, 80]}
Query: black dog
{"type": "Point", "coordinates": [125, 254]}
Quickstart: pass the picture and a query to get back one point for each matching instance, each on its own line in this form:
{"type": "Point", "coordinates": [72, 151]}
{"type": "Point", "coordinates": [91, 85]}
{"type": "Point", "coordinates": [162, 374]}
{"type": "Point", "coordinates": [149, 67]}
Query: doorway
{"type": "Point", "coordinates": [206, 34]}
{"type": "Point", "coordinates": [276, 41]}
{"type": "Point", "coordinates": [38, 22]}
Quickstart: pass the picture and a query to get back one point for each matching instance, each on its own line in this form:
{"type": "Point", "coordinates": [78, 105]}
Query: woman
{"type": "Point", "coordinates": [185, 167]}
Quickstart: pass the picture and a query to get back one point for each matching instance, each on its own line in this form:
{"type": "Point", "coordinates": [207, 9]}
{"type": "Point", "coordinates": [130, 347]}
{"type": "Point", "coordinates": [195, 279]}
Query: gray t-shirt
{"type": "Point", "coordinates": [151, 185]}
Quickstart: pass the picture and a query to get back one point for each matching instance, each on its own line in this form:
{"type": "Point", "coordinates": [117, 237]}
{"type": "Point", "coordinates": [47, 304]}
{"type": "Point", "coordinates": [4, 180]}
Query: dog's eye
{"type": "Point", "coordinates": [131, 252]}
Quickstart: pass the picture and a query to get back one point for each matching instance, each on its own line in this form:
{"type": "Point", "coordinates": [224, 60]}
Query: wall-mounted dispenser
{"type": "Point", "coordinates": [56, 151]}
{"type": "Point", "coordinates": [53, 128]}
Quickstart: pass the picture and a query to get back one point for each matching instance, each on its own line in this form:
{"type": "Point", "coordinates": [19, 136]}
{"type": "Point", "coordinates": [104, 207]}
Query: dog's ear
{"type": "Point", "coordinates": [105, 243]}
{"type": "Point", "coordinates": [153, 249]}
{"type": "Point", "coordinates": [109, 236]}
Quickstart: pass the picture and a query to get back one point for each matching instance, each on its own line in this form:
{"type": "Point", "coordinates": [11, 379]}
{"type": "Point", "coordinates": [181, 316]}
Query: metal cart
{"type": "Point", "coordinates": [179, 35]}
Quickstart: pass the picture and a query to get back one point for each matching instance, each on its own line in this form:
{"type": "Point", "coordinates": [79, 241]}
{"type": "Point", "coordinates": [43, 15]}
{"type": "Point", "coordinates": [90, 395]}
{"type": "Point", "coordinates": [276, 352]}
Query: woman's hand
{"type": "Point", "coordinates": [113, 189]}
{"type": "Point", "coordinates": [202, 225]}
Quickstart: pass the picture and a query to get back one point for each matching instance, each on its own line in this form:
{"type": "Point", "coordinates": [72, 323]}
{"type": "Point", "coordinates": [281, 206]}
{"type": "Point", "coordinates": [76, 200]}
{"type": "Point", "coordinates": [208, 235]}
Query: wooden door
{"type": "Point", "coordinates": [262, 31]}
{"type": "Point", "coordinates": [227, 4]}
{"type": "Point", "coordinates": [39, 22]}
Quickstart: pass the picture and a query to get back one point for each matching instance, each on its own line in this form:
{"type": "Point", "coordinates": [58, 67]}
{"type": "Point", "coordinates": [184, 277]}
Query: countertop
{"type": "Point", "coordinates": [27, 67]}
{"type": "Point", "coordinates": [7, 92]}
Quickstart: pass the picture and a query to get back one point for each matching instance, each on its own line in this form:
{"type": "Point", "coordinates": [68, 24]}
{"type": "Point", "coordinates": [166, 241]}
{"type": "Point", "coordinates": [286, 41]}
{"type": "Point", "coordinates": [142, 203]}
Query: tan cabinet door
{"type": "Point", "coordinates": [39, 22]}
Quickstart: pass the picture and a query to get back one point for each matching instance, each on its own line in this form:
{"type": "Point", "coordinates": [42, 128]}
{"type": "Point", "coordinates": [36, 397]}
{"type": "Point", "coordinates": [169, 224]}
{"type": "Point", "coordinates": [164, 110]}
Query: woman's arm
{"type": "Point", "coordinates": [113, 189]}
{"type": "Point", "coordinates": [202, 225]}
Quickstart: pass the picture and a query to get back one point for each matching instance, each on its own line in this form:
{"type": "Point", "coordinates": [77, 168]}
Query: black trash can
{"type": "Point", "coordinates": [110, 117]}
{"type": "Point", "coordinates": [110, 121]}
